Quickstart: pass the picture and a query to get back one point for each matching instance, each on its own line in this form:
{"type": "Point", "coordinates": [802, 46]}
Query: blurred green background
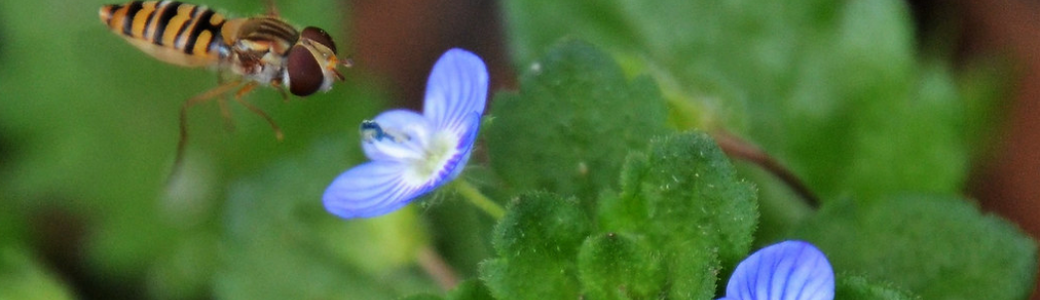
{"type": "Point", "coordinates": [88, 129]}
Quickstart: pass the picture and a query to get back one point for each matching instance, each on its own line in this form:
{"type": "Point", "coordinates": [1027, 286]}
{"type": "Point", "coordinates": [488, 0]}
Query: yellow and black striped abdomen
{"type": "Point", "coordinates": [171, 31]}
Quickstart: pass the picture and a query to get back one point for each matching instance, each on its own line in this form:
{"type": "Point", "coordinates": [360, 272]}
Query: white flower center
{"type": "Point", "coordinates": [425, 153]}
{"type": "Point", "coordinates": [432, 162]}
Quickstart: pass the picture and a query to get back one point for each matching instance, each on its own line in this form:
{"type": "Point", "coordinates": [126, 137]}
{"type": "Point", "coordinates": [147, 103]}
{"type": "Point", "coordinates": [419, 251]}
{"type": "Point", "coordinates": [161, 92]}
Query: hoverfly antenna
{"type": "Point", "coordinates": [339, 76]}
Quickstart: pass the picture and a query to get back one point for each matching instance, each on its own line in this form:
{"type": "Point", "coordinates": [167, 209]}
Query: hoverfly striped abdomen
{"type": "Point", "coordinates": [174, 32]}
{"type": "Point", "coordinates": [254, 51]}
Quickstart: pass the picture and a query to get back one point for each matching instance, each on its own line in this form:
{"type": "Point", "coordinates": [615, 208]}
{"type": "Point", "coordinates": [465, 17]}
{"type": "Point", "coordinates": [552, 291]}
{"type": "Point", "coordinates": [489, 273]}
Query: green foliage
{"type": "Point", "coordinates": [467, 290]}
{"type": "Point", "coordinates": [576, 116]}
{"type": "Point", "coordinates": [538, 238]}
{"type": "Point", "coordinates": [472, 289]}
{"type": "Point", "coordinates": [937, 247]}
{"type": "Point", "coordinates": [684, 196]}
{"type": "Point", "coordinates": [685, 179]}
{"type": "Point", "coordinates": [619, 266]}
{"type": "Point", "coordinates": [608, 202]}
{"type": "Point", "coordinates": [595, 119]}
{"type": "Point", "coordinates": [22, 277]}
{"type": "Point", "coordinates": [849, 287]}
{"type": "Point", "coordinates": [422, 297]}
{"type": "Point", "coordinates": [276, 233]}
{"type": "Point", "coordinates": [831, 88]}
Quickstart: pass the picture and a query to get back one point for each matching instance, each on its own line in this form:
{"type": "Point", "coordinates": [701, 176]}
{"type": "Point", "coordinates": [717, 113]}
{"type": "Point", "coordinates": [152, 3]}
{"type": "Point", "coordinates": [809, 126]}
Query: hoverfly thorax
{"type": "Point", "coordinates": [247, 52]}
{"type": "Point", "coordinates": [311, 63]}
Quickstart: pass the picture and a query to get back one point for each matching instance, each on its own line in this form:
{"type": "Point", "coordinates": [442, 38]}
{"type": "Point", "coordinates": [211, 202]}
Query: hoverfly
{"type": "Point", "coordinates": [261, 50]}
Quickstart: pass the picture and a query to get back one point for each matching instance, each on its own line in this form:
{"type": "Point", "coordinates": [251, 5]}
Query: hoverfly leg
{"type": "Point", "coordinates": [256, 110]}
{"type": "Point", "coordinates": [248, 87]}
{"type": "Point", "coordinates": [277, 85]}
{"type": "Point", "coordinates": [285, 96]}
{"type": "Point", "coordinates": [182, 143]}
{"type": "Point", "coordinates": [225, 112]}
{"type": "Point", "coordinates": [272, 9]}
{"type": "Point", "coordinates": [338, 75]}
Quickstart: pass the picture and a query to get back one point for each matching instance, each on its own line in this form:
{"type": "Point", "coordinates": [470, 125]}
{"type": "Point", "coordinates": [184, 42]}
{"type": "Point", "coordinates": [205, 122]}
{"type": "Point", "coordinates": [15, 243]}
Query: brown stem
{"type": "Point", "coordinates": [434, 265]}
{"type": "Point", "coordinates": [738, 148]}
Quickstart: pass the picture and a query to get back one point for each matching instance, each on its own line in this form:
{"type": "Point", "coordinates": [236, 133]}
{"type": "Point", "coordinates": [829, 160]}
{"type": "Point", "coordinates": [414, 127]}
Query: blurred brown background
{"type": "Point", "coordinates": [1009, 181]}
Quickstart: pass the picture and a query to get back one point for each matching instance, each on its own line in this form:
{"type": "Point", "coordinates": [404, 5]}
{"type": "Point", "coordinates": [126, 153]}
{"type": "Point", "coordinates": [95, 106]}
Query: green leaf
{"type": "Point", "coordinates": [849, 287]}
{"type": "Point", "coordinates": [572, 123]}
{"type": "Point", "coordinates": [21, 277]}
{"type": "Point", "coordinates": [620, 266]}
{"type": "Point", "coordinates": [840, 105]}
{"type": "Point", "coordinates": [472, 289]}
{"type": "Point", "coordinates": [422, 297]}
{"type": "Point", "coordinates": [684, 196]}
{"type": "Point", "coordinates": [537, 244]}
{"type": "Point", "coordinates": [934, 246]}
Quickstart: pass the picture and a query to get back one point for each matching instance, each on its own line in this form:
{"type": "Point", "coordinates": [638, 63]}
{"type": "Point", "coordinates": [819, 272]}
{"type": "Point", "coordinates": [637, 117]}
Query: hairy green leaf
{"type": "Point", "coordinates": [573, 122]}
{"type": "Point", "coordinates": [684, 196]}
{"type": "Point", "coordinates": [934, 246]}
{"type": "Point", "coordinates": [537, 244]}
{"type": "Point", "coordinates": [620, 266]}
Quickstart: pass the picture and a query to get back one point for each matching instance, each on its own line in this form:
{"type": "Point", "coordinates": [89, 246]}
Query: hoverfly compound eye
{"type": "Point", "coordinates": [319, 36]}
{"type": "Point", "coordinates": [305, 74]}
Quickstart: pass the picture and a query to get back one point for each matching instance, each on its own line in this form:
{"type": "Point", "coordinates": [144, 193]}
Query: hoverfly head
{"type": "Point", "coordinates": [312, 63]}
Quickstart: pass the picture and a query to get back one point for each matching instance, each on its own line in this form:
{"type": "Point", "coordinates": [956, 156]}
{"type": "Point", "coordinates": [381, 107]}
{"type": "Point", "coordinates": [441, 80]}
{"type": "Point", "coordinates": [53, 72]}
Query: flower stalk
{"type": "Point", "coordinates": [478, 199]}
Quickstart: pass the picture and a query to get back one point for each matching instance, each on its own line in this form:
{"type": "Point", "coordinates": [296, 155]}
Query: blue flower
{"type": "Point", "coordinates": [412, 154]}
{"type": "Point", "coordinates": [790, 270]}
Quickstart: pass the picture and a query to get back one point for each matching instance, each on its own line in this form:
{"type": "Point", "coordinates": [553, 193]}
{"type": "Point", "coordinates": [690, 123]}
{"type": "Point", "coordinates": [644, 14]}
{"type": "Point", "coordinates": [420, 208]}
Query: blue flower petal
{"type": "Point", "coordinates": [457, 87]}
{"type": "Point", "coordinates": [411, 153]}
{"type": "Point", "coordinates": [370, 190]}
{"type": "Point", "coordinates": [790, 270]}
{"type": "Point", "coordinates": [468, 132]}
{"type": "Point", "coordinates": [404, 134]}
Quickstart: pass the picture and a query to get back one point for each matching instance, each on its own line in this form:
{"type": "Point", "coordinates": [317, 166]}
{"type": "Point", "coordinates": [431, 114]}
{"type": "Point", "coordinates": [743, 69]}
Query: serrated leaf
{"type": "Point", "coordinates": [934, 246]}
{"type": "Point", "coordinates": [619, 266]}
{"type": "Point", "coordinates": [537, 244]}
{"type": "Point", "coordinates": [849, 287]}
{"type": "Point", "coordinates": [684, 196]}
{"type": "Point", "coordinates": [572, 123]}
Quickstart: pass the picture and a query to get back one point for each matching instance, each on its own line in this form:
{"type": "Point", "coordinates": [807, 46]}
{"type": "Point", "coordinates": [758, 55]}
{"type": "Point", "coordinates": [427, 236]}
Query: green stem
{"type": "Point", "coordinates": [478, 199]}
